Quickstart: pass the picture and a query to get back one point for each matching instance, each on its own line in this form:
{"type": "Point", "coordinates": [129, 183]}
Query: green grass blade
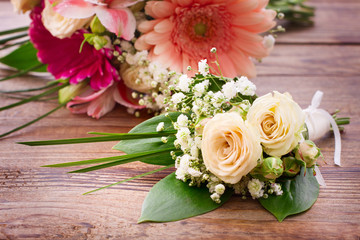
{"type": "Point", "coordinates": [31, 122]}
{"type": "Point", "coordinates": [124, 159]}
{"type": "Point", "coordinates": [86, 162]}
{"type": "Point", "coordinates": [132, 178]}
{"type": "Point", "coordinates": [33, 98]}
{"type": "Point", "coordinates": [160, 134]}
{"type": "Point", "coordinates": [51, 84]}
{"type": "Point", "coordinates": [15, 30]}
{"type": "Point", "coordinates": [5, 40]}
{"type": "Point", "coordinates": [22, 72]}
{"type": "Point", "coordinates": [118, 137]}
{"type": "Point", "coordinates": [13, 44]}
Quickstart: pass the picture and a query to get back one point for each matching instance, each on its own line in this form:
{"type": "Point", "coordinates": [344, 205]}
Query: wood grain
{"type": "Point", "coordinates": [45, 203]}
{"type": "Point", "coordinates": [335, 23]}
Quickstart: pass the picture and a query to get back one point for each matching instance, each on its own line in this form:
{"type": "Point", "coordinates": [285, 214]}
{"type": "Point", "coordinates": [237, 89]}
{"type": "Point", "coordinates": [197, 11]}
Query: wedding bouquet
{"type": "Point", "coordinates": [107, 52]}
{"type": "Point", "coordinates": [222, 140]}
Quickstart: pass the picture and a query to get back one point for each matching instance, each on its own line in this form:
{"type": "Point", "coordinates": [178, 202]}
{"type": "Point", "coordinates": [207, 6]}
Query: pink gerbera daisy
{"type": "Point", "coordinates": [183, 32]}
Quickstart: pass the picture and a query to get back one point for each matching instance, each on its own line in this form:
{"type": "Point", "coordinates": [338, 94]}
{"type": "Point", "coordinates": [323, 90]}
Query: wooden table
{"type": "Point", "coordinates": [43, 203]}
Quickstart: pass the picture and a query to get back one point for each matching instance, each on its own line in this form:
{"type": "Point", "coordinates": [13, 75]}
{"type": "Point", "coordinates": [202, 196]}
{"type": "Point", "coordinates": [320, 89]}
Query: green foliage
{"type": "Point", "coordinates": [23, 58]}
{"type": "Point", "coordinates": [299, 194]}
{"type": "Point", "coordinates": [294, 10]}
{"type": "Point", "coordinates": [143, 145]}
{"type": "Point", "coordinates": [171, 199]}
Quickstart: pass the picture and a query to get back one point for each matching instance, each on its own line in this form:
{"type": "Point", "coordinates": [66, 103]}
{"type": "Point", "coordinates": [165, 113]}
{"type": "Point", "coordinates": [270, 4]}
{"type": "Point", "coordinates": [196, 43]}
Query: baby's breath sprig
{"type": "Point", "coordinates": [200, 98]}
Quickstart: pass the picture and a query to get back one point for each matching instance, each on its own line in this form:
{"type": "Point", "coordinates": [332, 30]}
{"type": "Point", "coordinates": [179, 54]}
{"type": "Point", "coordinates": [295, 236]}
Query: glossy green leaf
{"type": "Point", "coordinates": [299, 194]}
{"type": "Point", "coordinates": [143, 145]}
{"type": "Point", "coordinates": [23, 58]}
{"type": "Point", "coordinates": [171, 200]}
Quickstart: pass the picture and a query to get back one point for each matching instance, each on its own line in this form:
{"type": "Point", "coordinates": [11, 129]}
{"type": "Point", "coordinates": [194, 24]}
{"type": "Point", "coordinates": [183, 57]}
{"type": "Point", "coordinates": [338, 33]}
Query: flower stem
{"type": "Point", "coordinates": [117, 137]}
{"type": "Point", "coordinates": [22, 72]}
{"type": "Point", "coordinates": [132, 178]}
{"type": "Point", "coordinates": [13, 44]}
{"type": "Point", "coordinates": [51, 84]}
{"type": "Point", "coordinates": [5, 40]}
{"type": "Point", "coordinates": [15, 30]}
{"type": "Point", "coordinates": [33, 121]}
{"type": "Point", "coordinates": [34, 97]}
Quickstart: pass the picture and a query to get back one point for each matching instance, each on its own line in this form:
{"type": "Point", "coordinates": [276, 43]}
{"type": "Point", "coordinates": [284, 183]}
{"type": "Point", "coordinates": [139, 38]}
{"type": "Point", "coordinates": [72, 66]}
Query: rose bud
{"type": "Point", "coordinates": [307, 152]}
{"type": "Point", "coordinates": [69, 92]}
{"type": "Point", "coordinates": [291, 168]}
{"type": "Point", "coordinates": [270, 169]}
{"type": "Point", "coordinates": [96, 26]}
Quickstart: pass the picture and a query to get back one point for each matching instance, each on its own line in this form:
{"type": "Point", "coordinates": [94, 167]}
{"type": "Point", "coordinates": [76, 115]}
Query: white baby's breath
{"type": "Point", "coordinates": [177, 97]}
{"type": "Point", "coordinates": [276, 187]}
{"type": "Point", "coordinates": [255, 187]}
{"type": "Point", "coordinates": [220, 189]}
{"type": "Point", "coordinates": [160, 127]}
{"type": "Point", "coordinates": [203, 67]}
{"type": "Point", "coordinates": [229, 89]}
{"type": "Point", "coordinates": [184, 82]}
{"type": "Point", "coordinates": [200, 88]}
{"type": "Point", "coordinates": [182, 120]}
{"type": "Point", "coordinates": [269, 41]}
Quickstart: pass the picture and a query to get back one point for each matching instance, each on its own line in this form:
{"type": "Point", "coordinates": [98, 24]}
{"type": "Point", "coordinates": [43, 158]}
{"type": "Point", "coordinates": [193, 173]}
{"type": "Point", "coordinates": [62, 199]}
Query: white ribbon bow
{"type": "Point", "coordinates": [318, 122]}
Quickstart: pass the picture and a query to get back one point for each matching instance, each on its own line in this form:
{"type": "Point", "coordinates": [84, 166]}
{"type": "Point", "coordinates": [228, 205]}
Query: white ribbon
{"type": "Point", "coordinates": [318, 122]}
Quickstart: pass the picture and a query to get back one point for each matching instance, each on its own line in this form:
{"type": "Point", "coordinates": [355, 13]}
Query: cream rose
{"type": "Point", "coordinates": [130, 75]}
{"type": "Point", "coordinates": [279, 121]}
{"type": "Point", "coordinates": [58, 25]}
{"type": "Point", "coordinates": [230, 147]}
{"type": "Point", "coordinates": [24, 5]}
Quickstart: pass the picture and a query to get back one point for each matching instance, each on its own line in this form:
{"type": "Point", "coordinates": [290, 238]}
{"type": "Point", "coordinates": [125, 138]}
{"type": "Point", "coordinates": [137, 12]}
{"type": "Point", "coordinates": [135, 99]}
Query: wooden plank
{"type": "Point", "coordinates": [336, 22]}
{"type": "Point", "coordinates": [10, 19]}
{"type": "Point", "coordinates": [311, 60]}
{"type": "Point", "coordinates": [46, 203]}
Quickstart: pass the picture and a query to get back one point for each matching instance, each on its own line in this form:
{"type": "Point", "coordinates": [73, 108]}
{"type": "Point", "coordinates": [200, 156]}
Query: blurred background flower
{"type": "Point", "coordinates": [183, 32]}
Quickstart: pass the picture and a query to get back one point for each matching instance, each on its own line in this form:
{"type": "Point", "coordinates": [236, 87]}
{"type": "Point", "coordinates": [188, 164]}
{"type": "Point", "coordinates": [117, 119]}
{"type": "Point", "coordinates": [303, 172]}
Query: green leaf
{"type": "Point", "coordinates": [23, 58]}
{"type": "Point", "coordinates": [171, 200]}
{"type": "Point", "coordinates": [143, 145]}
{"type": "Point", "coordinates": [109, 137]}
{"type": "Point", "coordinates": [299, 194]}
{"type": "Point", "coordinates": [14, 30]}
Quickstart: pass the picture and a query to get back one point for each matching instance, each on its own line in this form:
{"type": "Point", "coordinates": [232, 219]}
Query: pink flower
{"type": "Point", "coordinates": [97, 103]}
{"type": "Point", "coordinates": [113, 14]}
{"type": "Point", "coordinates": [64, 59]}
{"type": "Point", "coordinates": [183, 32]}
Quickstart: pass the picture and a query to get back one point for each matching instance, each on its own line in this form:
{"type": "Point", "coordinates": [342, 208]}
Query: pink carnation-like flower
{"type": "Point", "coordinates": [64, 59]}
{"type": "Point", "coordinates": [113, 14]}
{"type": "Point", "coordinates": [97, 103]}
{"type": "Point", "coordinates": [183, 32]}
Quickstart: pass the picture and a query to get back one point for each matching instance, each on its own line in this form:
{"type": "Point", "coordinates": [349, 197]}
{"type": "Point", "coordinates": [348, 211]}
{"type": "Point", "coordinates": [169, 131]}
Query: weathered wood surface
{"type": "Point", "coordinates": [43, 203]}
